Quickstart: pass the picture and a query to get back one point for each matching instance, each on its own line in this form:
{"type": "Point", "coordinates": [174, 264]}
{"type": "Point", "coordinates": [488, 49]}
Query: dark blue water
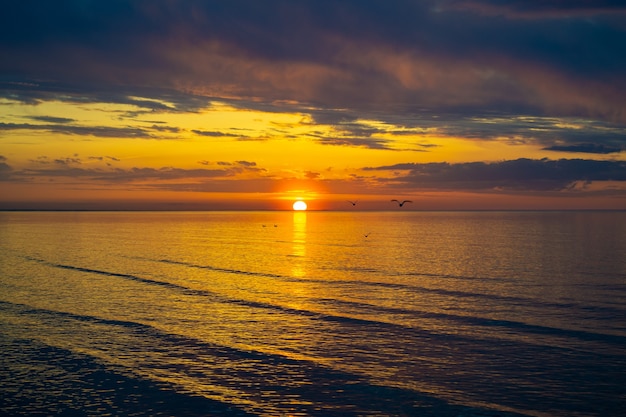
{"type": "Point", "coordinates": [313, 314]}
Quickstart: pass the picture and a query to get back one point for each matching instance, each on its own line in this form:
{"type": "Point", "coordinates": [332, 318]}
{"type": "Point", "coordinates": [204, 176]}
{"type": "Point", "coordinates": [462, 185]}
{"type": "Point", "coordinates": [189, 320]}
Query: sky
{"type": "Point", "coordinates": [246, 104]}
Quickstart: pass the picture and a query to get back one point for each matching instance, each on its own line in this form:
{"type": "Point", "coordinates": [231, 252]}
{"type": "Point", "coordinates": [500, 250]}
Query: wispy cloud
{"type": "Point", "coordinates": [52, 119]}
{"type": "Point", "coordinates": [76, 168]}
{"type": "Point", "coordinates": [371, 143]}
{"type": "Point", "coordinates": [214, 133]}
{"type": "Point", "coordinates": [98, 131]}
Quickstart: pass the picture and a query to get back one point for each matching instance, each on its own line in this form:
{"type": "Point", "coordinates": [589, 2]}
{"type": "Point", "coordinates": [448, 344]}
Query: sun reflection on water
{"type": "Point", "coordinates": [299, 243]}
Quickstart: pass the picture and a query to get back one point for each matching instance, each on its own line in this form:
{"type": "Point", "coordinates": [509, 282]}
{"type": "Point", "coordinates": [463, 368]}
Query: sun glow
{"type": "Point", "coordinates": [299, 205]}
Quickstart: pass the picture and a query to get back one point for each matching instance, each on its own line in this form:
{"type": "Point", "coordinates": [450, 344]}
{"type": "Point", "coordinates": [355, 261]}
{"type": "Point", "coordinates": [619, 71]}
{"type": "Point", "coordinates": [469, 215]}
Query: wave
{"type": "Point", "coordinates": [57, 381]}
{"type": "Point", "coordinates": [225, 270]}
{"type": "Point", "coordinates": [515, 326]}
{"type": "Point", "coordinates": [246, 383]}
{"type": "Point", "coordinates": [407, 287]}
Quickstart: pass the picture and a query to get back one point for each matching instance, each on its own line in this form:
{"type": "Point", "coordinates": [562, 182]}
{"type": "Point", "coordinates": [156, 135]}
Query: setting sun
{"type": "Point", "coordinates": [299, 205]}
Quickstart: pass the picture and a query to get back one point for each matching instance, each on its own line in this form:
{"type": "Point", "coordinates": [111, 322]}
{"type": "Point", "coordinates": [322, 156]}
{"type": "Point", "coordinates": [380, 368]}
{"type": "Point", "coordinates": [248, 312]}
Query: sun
{"type": "Point", "coordinates": [299, 205]}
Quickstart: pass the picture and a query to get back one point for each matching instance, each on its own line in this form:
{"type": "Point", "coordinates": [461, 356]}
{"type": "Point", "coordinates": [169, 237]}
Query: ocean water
{"type": "Point", "coordinates": [313, 313]}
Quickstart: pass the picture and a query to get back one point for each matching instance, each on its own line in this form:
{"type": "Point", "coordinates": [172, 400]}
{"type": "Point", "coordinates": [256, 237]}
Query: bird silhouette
{"type": "Point", "coordinates": [401, 203]}
{"type": "Point", "coordinates": [352, 202]}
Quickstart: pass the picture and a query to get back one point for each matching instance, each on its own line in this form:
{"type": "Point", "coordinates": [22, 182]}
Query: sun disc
{"type": "Point", "coordinates": [299, 205]}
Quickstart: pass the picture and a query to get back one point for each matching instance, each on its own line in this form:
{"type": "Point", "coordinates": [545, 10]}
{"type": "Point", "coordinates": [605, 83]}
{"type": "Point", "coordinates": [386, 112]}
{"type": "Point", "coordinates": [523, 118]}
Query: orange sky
{"type": "Point", "coordinates": [198, 115]}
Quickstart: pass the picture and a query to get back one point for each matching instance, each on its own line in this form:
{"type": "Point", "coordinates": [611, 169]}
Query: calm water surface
{"type": "Point", "coordinates": [313, 313]}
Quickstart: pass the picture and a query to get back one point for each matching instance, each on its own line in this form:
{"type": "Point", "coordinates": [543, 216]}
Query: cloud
{"type": "Point", "coordinates": [169, 129]}
{"type": "Point", "coordinates": [371, 143]}
{"type": "Point", "coordinates": [68, 161]}
{"type": "Point", "coordinates": [98, 131]}
{"type": "Point", "coordinates": [520, 9]}
{"type": "Point", "coordinates": [584, 148]}
{"type": "Point", "coordinates": [448, 56]}
{"type": "Point", "coordinates": [213, 133]}
{"type": "Point", "coordinates": [246, 163]}
{"type": "Point", "coordinates": [5, 169]}
{"type": "Point", "coordinates": [52, 119]}
{"type": "Point", "coordinates": [545, 131]}
{"type": "Point", "coordinates": [520, 174]}
{"type": "Point", "coordinates": [146, 99]}
{"type": "Point", "coordinates": [73, 167]}
{"type": "Point", "coordinates": [104, 158]}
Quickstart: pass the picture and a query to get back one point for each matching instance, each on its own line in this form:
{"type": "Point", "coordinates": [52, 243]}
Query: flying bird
{"type": "Point", "coordinates": [353, 202]}
{"type": "Point", "coordinates": [401, 203]}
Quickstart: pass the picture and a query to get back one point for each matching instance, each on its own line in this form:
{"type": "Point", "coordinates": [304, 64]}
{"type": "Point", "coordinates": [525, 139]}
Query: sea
{"type": "Point", "coordinates": [314, 313]}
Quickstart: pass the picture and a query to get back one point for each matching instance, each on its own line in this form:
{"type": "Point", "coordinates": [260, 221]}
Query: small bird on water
{"type": "Point", "coordinates": [401, 203]}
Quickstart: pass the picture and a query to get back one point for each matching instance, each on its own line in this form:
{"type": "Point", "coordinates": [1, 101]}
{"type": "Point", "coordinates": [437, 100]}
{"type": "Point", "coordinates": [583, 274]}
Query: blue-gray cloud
{"type": "Point", "coordinates": [584, 148]}
{"type": "Point", "coordinates": [520, 174]}
{"type": "Point", "coordinates": [161, 99]}
{"type": "Point", "coordinates": [444, 55]}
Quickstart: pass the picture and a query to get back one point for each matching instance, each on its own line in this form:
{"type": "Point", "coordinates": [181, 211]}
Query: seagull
{"type": "Point", "coordinates": [353, 202]}
{"type": "Point", "coordinates": [401, 203]}
{"type": "Point", "coordinates": [367, 234]}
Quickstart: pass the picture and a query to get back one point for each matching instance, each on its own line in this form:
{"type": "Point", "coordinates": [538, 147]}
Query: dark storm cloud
{"type": "Point", "coordinates": [360, 54]}
{"type": "Point", "coordinates": [520, 174]}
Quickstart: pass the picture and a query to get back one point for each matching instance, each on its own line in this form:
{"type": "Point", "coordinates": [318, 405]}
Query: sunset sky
{"type": "Point", "coordinates": [248, 104]}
